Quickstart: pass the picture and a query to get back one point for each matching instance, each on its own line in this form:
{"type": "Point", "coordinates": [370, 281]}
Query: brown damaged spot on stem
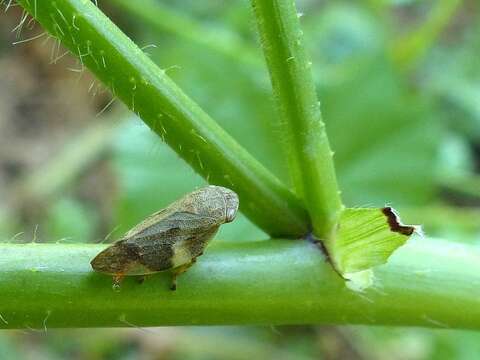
{"type": "Point", "coordinates": [395, 224]}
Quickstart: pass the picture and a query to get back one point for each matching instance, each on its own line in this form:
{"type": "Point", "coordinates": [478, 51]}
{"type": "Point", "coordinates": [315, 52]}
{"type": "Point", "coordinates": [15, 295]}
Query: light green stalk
{"type": "Point", "coordinates": [310, 157]}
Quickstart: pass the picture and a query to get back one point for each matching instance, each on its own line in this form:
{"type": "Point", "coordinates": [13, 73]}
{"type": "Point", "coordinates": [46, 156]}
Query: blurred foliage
{"type": "Point", "coordinates": [67, 216]}
{"type": "Point", "coordinates": [397, 132]}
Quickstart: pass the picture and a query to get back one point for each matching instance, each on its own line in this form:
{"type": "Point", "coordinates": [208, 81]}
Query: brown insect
{"type": "Point", "coordinates": [170, 239]}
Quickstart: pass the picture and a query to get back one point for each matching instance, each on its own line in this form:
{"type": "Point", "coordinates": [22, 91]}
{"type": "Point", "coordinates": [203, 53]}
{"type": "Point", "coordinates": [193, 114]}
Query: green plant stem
{"type": "Point", "coordinates": [310, 157]}
{"type": "Point", "coordinates": [148, 91]}
{"type": "Point", "coordinates": [162, 18]}
{"type": "Point", "coordinates": [426, 283]}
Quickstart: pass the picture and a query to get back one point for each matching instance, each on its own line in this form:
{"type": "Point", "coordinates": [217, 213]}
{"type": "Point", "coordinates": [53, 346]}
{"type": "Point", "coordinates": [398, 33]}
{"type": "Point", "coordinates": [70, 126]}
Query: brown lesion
{"type": "Point", "coordinates": [395, 224]}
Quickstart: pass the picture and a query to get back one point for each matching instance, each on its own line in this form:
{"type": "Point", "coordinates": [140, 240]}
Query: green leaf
{"type": "Point", "coordinates": [366, 238]}
{"type": "Point", "coordinates": [394, 159]}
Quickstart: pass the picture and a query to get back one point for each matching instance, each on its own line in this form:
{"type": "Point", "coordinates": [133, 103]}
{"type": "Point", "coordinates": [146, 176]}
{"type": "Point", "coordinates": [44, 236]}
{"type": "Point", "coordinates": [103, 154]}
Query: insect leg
{"type": "Point", "coordinates": [117, 279]}
{"type": "Point", "coordinates": [178, 271]}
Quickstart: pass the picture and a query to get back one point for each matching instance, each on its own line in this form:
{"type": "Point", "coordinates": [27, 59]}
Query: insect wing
{"type": "Point", "coordinates": [175, 239]}
{"type": "Point", "coordinates": [156, 218]}
{"type": "Point", "coordinates": [185, 221]}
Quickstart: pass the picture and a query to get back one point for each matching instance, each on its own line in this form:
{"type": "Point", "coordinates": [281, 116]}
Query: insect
{"type": "Point", "coordinates": [170, 239]}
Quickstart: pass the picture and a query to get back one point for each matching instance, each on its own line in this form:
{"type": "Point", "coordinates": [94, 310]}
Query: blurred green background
{"type": "Point", "coordinates": [399, 84]}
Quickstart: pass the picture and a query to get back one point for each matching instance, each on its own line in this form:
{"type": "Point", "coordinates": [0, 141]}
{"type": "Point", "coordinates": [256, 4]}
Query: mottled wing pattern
{"type": "Point", "coordinates": [152, 253]}
{"type": "Point", "coordinates": [155, 247]}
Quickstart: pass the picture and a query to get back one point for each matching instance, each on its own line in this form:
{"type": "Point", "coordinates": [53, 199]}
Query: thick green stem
{"type": "Point", "coordinates": [149, 92]}
{"type": "Point", "coordinates": [426, 283]}
{"type": "Point", "coordinates": [307, 144]}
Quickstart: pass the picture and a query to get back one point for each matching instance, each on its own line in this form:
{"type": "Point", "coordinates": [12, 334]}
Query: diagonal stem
{"type": "Point", "coordinates": [169, 112]}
